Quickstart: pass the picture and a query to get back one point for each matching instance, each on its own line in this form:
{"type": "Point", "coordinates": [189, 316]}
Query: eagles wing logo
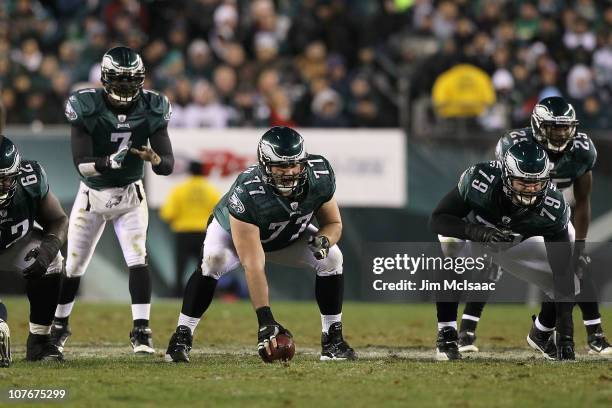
{"type": "Point", "coordinates": [236, 204]}
{"type": "Point", "coordinates": [70, 112]}
{"type": "Point", "coordinates": [114, 201]}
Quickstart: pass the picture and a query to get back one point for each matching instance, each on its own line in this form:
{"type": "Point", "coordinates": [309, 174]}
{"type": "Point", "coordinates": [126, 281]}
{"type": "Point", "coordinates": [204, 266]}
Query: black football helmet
{"type": "Point", "coordinates": [10, 163]}
{"type": "Point", "coordinates": [554, 123]}
{"type": "Point", "coordinates": [528, 163]}
{"type": "Point", "coordinates": [123, 75]}
{"type": "Point", "coordinates": [283, 147]}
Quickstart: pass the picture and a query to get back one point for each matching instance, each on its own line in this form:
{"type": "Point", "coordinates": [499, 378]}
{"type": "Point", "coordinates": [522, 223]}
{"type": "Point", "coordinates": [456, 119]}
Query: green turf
{"type": "Point", "coordinates": [397, 341]}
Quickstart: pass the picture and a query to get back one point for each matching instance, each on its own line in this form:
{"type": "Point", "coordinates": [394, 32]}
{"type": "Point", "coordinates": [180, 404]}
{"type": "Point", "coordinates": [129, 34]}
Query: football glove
{"type": "Point", "coordinates": [115, 160]}
{"type": "Point", "coordinates": [268, 330]}
{"type": "Point", "coordinates": [319, 246]}
{"type": "Point", "coordinates": [43, 256]}
{"type": "Point", "coordinates": [489, 235]}
{"type": "Point", "coordinates": [581, 260]}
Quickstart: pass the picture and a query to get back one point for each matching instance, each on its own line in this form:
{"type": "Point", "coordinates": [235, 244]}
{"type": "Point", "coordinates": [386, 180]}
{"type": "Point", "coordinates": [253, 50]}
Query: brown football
{"type": "Point", "coordinates": [284, 351]}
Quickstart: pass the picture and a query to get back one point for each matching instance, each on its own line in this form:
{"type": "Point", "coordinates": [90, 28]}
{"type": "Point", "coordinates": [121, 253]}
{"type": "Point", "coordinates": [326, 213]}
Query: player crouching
{"type": "Point", "coordinates": [265, 216]}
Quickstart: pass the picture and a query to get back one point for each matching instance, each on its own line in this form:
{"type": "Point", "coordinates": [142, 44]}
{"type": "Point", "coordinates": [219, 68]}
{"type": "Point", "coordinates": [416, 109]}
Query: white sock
{"type": "Point", "coordinates": [63, 311]}
{"type": "Point", "coordinates": [39, 329]}
{"type": "Point", "coordinates": [141, 312]}
{"type": "Point", "coordinates": [441, 325]}
{"type": "Point", "coordinates": [328, 320]}
{"type": "Point", "coordinates": [541, 327]}
{"type": "Point", "coordinates": [470, 317]}
{"type": "Point", "coordinates": [191, 322]}
{"type": "Point", "coordinates": [592, 322]}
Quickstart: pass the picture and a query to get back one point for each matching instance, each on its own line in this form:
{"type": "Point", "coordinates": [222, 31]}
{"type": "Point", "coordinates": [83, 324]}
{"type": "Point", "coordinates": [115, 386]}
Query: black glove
{"type": "Point", "coordinates": [319, 245]}
{"type": "Point", "coordinates": [268, 330]}
{"type": "Point", "coordinates": [490, 235]}
{"type": "Point", "coordinates": [43, 256]}
{"type": "Point", "coordinates": [581, 260]}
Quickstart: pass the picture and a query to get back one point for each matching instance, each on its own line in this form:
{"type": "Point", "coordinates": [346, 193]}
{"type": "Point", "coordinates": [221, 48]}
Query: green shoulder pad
{"type": "Point", "coordinates": [585, 152]}
{"type": "Point", "coordinates": [159, 107]}
{"type": "Point", "coordinates": [33, 179]}
{"type": "Point", "coordinates": [554, 212]}
{"type": "Point", "coordinates": [322, 176]}
{"type": "Point", "coordinates": [81, 105]}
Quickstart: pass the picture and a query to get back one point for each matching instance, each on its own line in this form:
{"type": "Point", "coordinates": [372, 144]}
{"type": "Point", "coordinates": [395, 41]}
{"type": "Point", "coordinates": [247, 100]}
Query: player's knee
{"type": "Point", "coordinates": [213, 263]}
{"type": "Point", "coordinates": [332, 265]}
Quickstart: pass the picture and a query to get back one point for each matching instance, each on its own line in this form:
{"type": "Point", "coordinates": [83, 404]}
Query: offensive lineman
{"type": "Point", "coordinates": [25, 198]}
{"type": "Point", "coordinates": [492, 203]}
{"type": "Point", "coordinates": [573, 154]}
{"type": "Point", "coordinates": [110, 131]}
{"type": "Point", "coordinates": [265, 216]}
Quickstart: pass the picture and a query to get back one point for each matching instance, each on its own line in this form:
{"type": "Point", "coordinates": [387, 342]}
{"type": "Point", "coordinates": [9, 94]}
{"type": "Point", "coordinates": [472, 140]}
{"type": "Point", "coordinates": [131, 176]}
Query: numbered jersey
{"type": "Point", "coordinates": [481, 187]}
{"type": "Point", "coordinates": [17, 220]}
{"type": "Point", "coordinates": [577, 159]}
{"type": "Point", "coordinates": [280, 220]}
{"type": "Point", "coordinates": [110, 131]}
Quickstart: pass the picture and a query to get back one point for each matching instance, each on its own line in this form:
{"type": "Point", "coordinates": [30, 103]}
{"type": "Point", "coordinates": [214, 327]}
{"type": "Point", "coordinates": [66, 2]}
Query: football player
{"type": "Point", "coordinates": [266, 217]}
{"type": "Point", "coordinates": [26, 204]}
{"type": "Point", "coordinates": [111, 128]}
{"type": "Point", "coordinates": [494, 203]}
{"type": "Point", "coordinates": [573, 154]}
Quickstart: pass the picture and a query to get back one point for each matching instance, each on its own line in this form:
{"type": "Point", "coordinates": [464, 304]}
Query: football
{"type": "Point", "coordinates": [284, 351]}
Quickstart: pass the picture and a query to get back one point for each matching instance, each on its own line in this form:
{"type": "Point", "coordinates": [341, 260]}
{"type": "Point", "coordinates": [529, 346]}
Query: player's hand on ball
{"type": "Point", "coordinates": [267, 344]}
{"type": "Point", "coordinates": [147, 154]}
{"type": "Point", "coordinates": [319, 245]}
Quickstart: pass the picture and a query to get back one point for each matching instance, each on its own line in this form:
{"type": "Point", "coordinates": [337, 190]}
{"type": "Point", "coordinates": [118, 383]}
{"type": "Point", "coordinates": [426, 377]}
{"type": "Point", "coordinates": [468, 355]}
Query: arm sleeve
{"type": "Point", "coordinates": [82, 153]}
{"type": "Point", "coordinates": [447, 217]}
{"type": "Point", "coordinates": [160, 143]}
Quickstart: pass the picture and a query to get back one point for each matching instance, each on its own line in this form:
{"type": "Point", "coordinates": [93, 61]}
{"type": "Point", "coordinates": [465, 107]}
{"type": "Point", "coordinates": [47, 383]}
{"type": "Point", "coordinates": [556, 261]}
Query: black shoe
{"type": "Point", "coordinates": [59, 334]}
{"type": "Point", "coordinates": [565, 347]}
{"type": "Point", "coordinates": [598, 344]}
{"type": "Point", "coordinates": [40, 347]}
{"type": "Point", "coordinates": [179, 346]}
{"type": "Point", "coordinates": [5, 344]}
{"type": "Point", "coordinates": [141, 340]}
{"type": "Point", "coordinates": [447, 344]}
{"type": "Point", "coordinates": [542, 341]}
{"type": "Point", "coordinates": [466, 342]}
{"type": "Point", "coordinates": [333, 345]}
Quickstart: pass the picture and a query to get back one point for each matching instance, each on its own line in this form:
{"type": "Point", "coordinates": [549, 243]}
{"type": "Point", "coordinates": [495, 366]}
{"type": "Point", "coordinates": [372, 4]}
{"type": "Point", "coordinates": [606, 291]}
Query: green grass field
{"type": "Point", "coordinates": [396, 368]}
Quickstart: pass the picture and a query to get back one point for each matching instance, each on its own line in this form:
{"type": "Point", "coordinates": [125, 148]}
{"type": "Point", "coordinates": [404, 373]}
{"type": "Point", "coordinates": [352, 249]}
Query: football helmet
{"type": "Point", "coordinates": [525, 173]}
{"type": "Point", "coordinates": [123, 75]}
{"type": "Point", "coordinates": [553, 121]}
{"type": "Point", "coordinates": [283, 147]}
{"type": "Point", "coordinates": [10, 163]}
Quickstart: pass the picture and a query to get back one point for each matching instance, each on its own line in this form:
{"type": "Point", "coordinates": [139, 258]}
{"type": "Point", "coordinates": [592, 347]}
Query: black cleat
{"type": "Point", "coordinates": [141, 340]}
{"type": "Point", "coordinates": [59, 334]}
{"type": "Point", "coordinates": [466, 342]}
{"type": "Point", "coordinates": [598, 344]}
{"type": "Point", "coordinates": [40, 347]}
{"type": "Point", "coordinates": [565, 347]}
{"type": "Point", "coordinates": [179, 346]}
{"type": "Point", "coordinates": [333, 345]}
{"type": "Point", "coordinates": [5, 344]}
{"type": "Point", "coordinates": [447, 347]}
{"type": "Point", "coordinates": [542, 341]}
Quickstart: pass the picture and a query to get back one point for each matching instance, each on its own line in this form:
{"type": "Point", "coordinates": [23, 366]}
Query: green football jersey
{"type": "Point", "coordinates": [17, 219]}
{"type": "Point", "coordinates": [482, 188]}
{"type": "Point", "coordinates": [577, 159]}
{"type": "Point", "coordinates": [111, 131]}
{"type": "Point", "coordinates": [280, 220]}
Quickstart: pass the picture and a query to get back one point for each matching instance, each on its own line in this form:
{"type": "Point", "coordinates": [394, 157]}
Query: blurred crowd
{"type": "Point", "coordinates": [320, 63]}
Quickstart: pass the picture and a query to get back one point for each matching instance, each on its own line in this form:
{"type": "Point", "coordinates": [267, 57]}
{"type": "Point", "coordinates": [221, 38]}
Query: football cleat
{"type": "Point", "coordinates": [447, 344]}
{"type": "Point", "coordinates": [179, 346]}
{"type": "Point", "coordinates": [40, 347]}
{"type": "Point", "coordinates": [542, 341]}
{"type": "Point", "coordinates": [565, 347]}
{"type": "Point", "coordinates": [466, 342]}
{"type": "Point", "coordinates": [333, 345]}
{"type": "Point", "coordinates": [598, 344]}
{"type": "Point", "coordinates": [5, 344]}
{"type": "Point", "coordinates": [141, 340]}
{"type": "Point", "coordinates": [59, 334]}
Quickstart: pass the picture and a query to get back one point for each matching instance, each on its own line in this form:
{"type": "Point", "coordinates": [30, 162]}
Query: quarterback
{"type": "Point", "coordinates": [111, 129]}
{"type": "Point", "coordinates": [496, 203]}
{"type": "Point", "coordinates": [573, 155]}
{"type": "Point", "coordinates": [25, 199]}
{"type": "Point", "coordinates": [266, 217]}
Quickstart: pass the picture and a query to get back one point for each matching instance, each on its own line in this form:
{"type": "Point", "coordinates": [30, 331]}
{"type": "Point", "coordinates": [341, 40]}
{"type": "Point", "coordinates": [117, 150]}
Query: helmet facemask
{"type": "Point", "coordinates": [525, 174]}
{"type": "Point", "coordinates": [122, 83]}
{"type": "Point", "coordinates": [526, 191]}
{"type": "Point", "coordinates": [288, 183]}
{"type": "Point", "coordinates": [554, 132]}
